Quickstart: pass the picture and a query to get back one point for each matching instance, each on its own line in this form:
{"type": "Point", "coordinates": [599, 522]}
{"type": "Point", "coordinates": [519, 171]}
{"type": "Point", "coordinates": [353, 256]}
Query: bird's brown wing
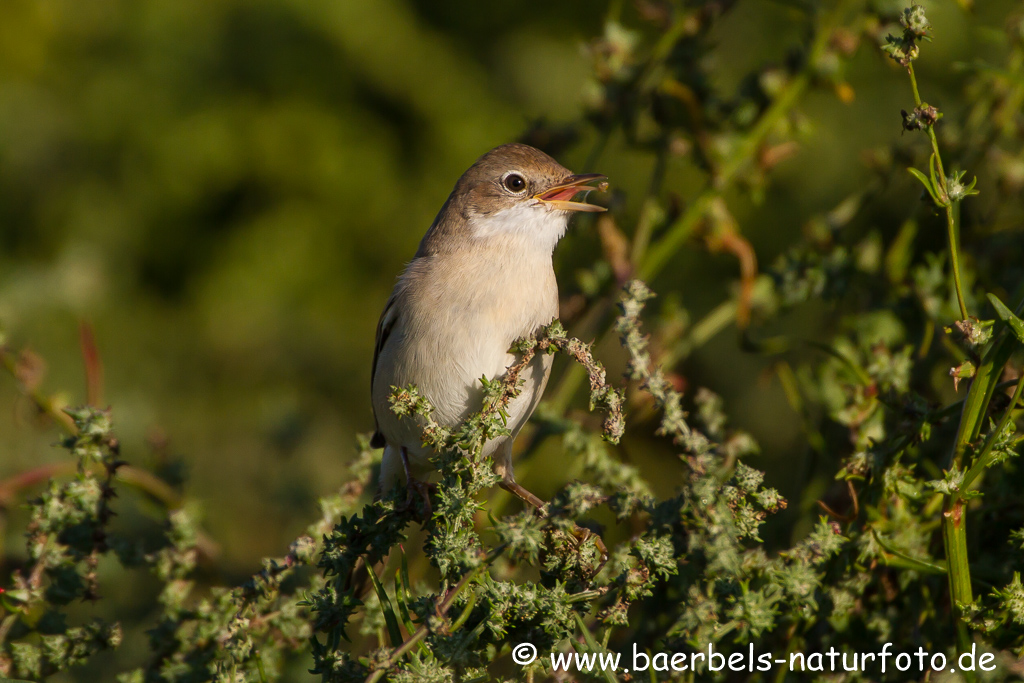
{"type": "Point", "coordinates": [384, 327]}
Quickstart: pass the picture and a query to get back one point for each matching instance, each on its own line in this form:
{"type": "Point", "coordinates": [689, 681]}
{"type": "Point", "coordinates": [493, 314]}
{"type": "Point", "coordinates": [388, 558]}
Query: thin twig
{"type": "Point", "coordinates": [44, 403]}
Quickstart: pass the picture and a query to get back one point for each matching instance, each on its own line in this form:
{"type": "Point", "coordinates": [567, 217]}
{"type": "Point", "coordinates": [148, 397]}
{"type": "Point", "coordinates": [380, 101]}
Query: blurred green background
{"type": "Point", "coordinates": [225, 190]}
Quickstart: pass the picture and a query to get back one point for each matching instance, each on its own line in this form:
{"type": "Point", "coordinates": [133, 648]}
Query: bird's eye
{"type": "Point", "coordinates": [514, 183]}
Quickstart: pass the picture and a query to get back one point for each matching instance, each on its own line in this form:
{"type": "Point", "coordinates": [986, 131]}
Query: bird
{"type": "Point", "coordinates": [481, 278]}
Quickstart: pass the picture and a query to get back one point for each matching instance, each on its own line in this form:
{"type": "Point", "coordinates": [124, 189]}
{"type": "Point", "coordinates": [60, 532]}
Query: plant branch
{"type": "Point", "coordinates": [43, 402]}
{"type": "Point", "coordinates": [985, 457]}
{"type": "Point", "coordinates": [442, 610]}
{"type": "Point", "coordinates": [951, 205]}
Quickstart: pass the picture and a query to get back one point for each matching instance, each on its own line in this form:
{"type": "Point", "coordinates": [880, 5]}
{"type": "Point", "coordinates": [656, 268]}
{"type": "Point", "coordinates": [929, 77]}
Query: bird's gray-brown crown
{"type": "Point", "coordinates": [507, 177]}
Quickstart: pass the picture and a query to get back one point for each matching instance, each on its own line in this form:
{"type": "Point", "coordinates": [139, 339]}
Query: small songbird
{"type": "Point", "coordinates": [481, 279]}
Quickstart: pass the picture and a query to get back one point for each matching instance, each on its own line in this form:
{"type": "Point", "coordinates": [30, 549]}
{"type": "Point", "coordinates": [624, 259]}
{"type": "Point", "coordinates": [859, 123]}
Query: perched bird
{"type": "Point", "coordinates": [481, 279]}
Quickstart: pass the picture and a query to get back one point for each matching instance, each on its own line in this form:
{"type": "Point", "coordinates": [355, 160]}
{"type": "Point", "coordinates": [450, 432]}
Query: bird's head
{"type": "Point", "coordinates": [516, 191]}
{"type": "Point", "coordinates": [516, 175]}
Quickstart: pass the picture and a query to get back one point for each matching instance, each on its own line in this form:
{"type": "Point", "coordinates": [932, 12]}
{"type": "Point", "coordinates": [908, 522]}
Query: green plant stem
{"type": "Point", "coordinates": [953, 230]}
{"type": "Point", "coordinates": [954, 522]}
{"type": "Point", "coordinates": [466, 611]}
{"type": "Point", "coordinates": [954, 533]}
{"type": "Point", "coordinates": [942, 413]}
{"type": "Point", "coordinates": [975, 405]}
{"type": "Point", "coordinates": [913, 84]}
{"type": "Point", "coordinates": [259, 667]}
{"type": "Point", "coordinates": [931, 129]}
{"type": "Point", "coordinates": [951, 207]}
{"type": "Point", "coordinates": [985, 457]}
{"type": "Point", "coordinates": [658, 256]}
{"type": "Point", "coordinates": [707, 327]}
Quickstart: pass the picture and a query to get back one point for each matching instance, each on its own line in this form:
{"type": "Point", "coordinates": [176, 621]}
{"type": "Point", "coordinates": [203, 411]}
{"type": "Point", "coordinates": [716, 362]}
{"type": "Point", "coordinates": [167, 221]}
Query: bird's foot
{"type": "Point", "coordinates": [415, 488]}
{"type": "Point", "coordinates": [580, 534]}
{"type": "Point", "coordinates": [417, 492]}
{"type": "Point", "coordinates": [583, 534]}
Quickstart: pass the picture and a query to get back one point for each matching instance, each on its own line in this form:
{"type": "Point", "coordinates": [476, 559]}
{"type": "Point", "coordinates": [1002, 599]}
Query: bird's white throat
{"type": "Point", "coordinates": [528, 223]}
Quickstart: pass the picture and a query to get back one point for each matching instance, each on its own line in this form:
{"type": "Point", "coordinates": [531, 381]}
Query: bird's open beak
{"type": "Point", "coordinates": [560, 196]}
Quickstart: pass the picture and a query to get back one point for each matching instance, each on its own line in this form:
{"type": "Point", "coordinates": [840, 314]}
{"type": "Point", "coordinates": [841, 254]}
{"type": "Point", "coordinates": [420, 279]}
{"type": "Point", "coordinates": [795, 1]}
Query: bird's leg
{"type": "Point", "coordinates": [579, 532]}
{"type": "Point", "coordinates": [522, 494]}
{"type": "Point", "coordinates": [414, 485]}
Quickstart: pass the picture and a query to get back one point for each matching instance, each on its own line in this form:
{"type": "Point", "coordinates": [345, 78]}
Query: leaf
{"type": "Point", "coordinates": [1006, 315]}
{"type": "Point", "coordinates": [403, 607]}
{"type": "Point", "coordinates": [592, 645]}
{"type": "Point", "coordinates": [927, 183]}
{"type": "Point", "coordinates": [403, 596]}
{"type": "Point", "coordinates": [389, 611]}
{"type": "Point", "coordinates": [906, 561]}
{"type": "Point", "coordinates": [965, 370]}
{"type": "Point", "coordinates": [466, 611]}
{"type": "Point", "coordinates": [900, 254]}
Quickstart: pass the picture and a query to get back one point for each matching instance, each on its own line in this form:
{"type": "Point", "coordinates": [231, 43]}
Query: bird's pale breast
{"type": "Point", "coordinates": [459, 315]}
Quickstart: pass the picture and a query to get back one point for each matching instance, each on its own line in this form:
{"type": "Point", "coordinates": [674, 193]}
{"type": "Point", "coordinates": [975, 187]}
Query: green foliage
{"type": "Point", "coordinates": [891, 515]}
{"type": "Point", "coordinates": [67, 537]}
